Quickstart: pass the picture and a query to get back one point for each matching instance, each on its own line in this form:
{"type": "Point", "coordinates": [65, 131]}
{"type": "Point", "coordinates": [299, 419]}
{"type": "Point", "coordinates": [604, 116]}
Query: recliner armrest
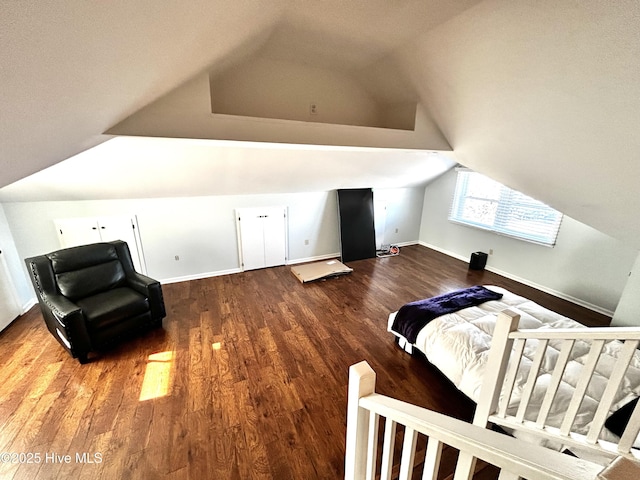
{"type": "Point", "coordinates": [70, 322]}
{"type": "Point", "coordinates": [61, 307]}
{"type": "Point", "coordinates": [151, 289]}
{"type": "Point", "coordinates": [140, 283]}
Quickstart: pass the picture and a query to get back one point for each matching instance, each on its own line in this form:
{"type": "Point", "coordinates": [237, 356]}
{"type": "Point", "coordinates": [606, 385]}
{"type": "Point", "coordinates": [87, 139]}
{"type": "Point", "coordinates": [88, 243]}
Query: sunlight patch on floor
{"type": "Point", "coordinates": [157, 376]}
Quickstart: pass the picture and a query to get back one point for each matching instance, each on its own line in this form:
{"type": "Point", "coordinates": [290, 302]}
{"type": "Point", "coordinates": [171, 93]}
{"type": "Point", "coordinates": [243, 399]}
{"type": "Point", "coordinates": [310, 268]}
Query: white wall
{"type": "Point", "coordinates": [403, 212]}
{"type": "Point", "coordinates": [20, 285]}
{"type": "Point", "coordinates": [186, 113]}
{"type": "Point", "coordinates": [585, 265]}
{"type": "Point", "coordinates": [201, 231]}
{"type": "Point", "coordinates": [627, 313]}
{"type": "Point", "coordinates": [279, 89]}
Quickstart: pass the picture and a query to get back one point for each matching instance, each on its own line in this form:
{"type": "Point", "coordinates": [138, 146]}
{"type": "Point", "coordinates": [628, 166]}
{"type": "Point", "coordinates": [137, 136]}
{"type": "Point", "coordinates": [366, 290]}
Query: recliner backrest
{"type": "Point", "coordinates": [86, 270]}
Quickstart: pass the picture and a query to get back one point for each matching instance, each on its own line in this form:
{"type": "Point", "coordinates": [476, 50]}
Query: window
{"type": "Point", "coordinates": [484, 203]}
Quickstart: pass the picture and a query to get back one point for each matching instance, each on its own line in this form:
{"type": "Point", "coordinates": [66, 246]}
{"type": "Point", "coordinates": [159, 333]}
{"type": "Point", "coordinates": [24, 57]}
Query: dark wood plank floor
{"type": "Point", "coordinates": [246, 380]}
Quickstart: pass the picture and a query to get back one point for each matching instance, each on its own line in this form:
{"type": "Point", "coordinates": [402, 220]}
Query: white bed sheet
{"type": "Point", "coordinates": [458, 345]}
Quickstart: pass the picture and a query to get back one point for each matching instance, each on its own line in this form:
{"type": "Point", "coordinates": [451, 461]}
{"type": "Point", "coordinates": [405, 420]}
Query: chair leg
{"type": "Point", "coordinates": [83, 359]}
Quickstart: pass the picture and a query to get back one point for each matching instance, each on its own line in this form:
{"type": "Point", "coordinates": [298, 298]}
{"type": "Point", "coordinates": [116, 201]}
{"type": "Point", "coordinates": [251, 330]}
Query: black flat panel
{"type": "Point", "coordinates": [357, 232]}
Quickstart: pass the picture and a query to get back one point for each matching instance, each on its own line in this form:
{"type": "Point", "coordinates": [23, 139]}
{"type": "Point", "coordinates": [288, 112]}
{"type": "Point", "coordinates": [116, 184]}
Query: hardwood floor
{"type": "Point", "coordinates": [246, 380]}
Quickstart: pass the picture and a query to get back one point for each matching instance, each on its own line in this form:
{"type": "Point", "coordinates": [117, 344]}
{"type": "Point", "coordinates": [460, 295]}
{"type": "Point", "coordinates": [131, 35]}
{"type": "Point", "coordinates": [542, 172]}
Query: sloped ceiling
{"type": "Point", "coordinates": [542, 96]}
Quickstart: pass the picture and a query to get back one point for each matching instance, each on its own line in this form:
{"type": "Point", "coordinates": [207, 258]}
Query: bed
{"type": "Point", "coordinates": [553, 365]}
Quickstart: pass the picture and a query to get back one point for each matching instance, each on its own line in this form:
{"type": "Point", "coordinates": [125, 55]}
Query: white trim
{"type": "Point", "coordinates": [529, 283]}
{"type": "Point", "coordinates": [313, 259]}
{"type": "Point", "coordinates": [29, 305]}
{"type": "Point", "coordinates": [200, 276]}
{"type": "Point", "coordinates": [140, 248]}
{"type": "Point", "coordinates": [406, 244]}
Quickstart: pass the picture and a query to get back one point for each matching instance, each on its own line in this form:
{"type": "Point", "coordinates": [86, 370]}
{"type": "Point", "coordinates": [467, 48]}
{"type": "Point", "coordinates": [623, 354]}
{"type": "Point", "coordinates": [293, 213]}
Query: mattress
{"type": "Point", "coordinates": [458, 345]}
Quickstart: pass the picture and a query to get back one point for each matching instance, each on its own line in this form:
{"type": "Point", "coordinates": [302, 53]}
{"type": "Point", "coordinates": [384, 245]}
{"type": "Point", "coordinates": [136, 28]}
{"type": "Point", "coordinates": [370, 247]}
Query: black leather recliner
{"type": "Point", "coordinates": [91, 296]}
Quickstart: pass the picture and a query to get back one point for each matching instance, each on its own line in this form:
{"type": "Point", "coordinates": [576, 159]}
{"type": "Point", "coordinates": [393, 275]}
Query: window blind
{"type": "Point", "coordinates": [484, 203]}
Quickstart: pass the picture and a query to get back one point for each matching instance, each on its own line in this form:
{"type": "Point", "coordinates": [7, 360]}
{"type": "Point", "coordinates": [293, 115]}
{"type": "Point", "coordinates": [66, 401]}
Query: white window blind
{"type": "Point", "coordinates": [484, 203]}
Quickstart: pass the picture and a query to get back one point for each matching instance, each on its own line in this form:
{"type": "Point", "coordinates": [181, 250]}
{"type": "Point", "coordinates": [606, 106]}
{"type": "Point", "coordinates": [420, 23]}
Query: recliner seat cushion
{"type": "Point", "coordinates": [111, 307]}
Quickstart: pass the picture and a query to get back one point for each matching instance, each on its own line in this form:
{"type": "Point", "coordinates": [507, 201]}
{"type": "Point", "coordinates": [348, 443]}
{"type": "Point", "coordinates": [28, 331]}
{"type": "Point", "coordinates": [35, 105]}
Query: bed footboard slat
{"type": "Point", "coordinates": [581, 387]}
{"type": "Point", "coordinates": [556, 378]}
{"type": "Point", "coordinates": [616, 378]}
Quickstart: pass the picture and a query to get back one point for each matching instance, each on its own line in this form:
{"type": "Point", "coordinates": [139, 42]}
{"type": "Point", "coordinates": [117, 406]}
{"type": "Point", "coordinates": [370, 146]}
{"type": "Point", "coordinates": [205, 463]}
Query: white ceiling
{"type": "Point", "coordinates": [543, 96]}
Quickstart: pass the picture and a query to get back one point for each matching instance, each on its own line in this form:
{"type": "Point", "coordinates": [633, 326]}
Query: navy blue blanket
{"type": "Point", "coordinates": [412, 317]}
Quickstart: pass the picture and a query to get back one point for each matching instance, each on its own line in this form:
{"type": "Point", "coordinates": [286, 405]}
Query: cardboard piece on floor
{"type": "Point", "coordinates": [315, 271]}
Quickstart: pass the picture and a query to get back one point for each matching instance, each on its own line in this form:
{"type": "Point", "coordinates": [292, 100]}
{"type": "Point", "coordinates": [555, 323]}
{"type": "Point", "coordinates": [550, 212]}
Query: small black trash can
{"type": "Point", "coordinates": [478, 261]}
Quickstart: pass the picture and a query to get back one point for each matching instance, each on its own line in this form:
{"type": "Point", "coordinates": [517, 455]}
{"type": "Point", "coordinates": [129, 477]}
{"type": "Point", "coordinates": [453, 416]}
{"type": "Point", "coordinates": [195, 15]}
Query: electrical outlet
{"type": "Point", "coordinates": [313, 109]}
{"type": "Point", "coordinates": [491, 251]}
{"type": "Point", "coordinates": [177, 257]}
{"type": "Point", "coordinates": [396, 230]}
{"type": "Point", "coordinates": [306, 242]}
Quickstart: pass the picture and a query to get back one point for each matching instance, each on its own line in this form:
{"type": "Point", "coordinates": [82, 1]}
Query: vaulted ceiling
{"type": "Point", "coordinates": [543, 96]}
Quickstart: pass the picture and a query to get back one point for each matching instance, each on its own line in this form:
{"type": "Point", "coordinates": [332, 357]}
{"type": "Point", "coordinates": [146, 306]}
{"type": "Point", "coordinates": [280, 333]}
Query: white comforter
{"type": "Point", "coordinates": [458, 344]}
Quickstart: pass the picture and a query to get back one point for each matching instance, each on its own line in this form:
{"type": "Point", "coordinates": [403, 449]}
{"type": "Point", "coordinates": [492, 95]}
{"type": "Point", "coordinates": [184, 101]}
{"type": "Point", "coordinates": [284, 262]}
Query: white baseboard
{"type": "Point", "coordinates": [314, 259]}
{"type": "Point", "coordinates": [200, 276]}
{"type": "Point", "coordinates": [406, 244]}
{"type": "Point", "coordinates": [29, 305]}
{"type": "Point", "coordinates": [529, 283]}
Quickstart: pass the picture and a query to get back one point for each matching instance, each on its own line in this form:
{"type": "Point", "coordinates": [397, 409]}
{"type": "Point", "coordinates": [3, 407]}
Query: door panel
{"type": "Point", "coordinates": [77, 231]}
{"type": "Point", "coordinates": [122, 228]}
{"type": "Point", "coordinates": [73, 232]}
{"type": "Point", "coordinates": [251, 239]}
{"type": "Point", "coordinates": [274, 237]}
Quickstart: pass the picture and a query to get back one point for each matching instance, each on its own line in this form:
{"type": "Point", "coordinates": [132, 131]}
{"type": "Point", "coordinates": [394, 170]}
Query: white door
{"type": "Point", "coordinates": [9, 307]}
{"type": "Point", "coordinates": [274, 234]}
{"type": "Point", "coordinates": [262, 237]}
{"type": "Point", "coordinates": [123, 228]}
{"type": "Point", "coordinates": [82, 231]}
{"type": "Point", "coordinates": [77, 231]}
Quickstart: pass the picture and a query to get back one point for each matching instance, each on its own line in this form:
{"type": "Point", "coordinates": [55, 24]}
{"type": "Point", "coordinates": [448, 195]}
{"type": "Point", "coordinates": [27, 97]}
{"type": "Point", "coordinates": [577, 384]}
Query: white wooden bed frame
{"type": "Point", "coordinates": [498, 373]}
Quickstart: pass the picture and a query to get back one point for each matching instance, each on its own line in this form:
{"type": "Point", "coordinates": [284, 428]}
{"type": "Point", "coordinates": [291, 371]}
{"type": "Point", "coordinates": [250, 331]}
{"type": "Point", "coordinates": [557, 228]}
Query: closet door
{"type": "Point", "coordinates": [262, 237]}
{"type": "Point", "coordinates": [123, 228]}
{"type": "Point", "coordinates": [274, 229]}
{"type": "Point", "coordinates": [73, 232]}
{"type": "Point", "coordinates": [77, 231]}
{"type": "Point", "coordinates": [251, 238]}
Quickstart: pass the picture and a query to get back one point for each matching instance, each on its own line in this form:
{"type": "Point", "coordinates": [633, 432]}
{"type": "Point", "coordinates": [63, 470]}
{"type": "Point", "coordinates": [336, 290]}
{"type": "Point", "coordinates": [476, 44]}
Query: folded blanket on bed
{"type": "Point", "coordinates": [412, 317]}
